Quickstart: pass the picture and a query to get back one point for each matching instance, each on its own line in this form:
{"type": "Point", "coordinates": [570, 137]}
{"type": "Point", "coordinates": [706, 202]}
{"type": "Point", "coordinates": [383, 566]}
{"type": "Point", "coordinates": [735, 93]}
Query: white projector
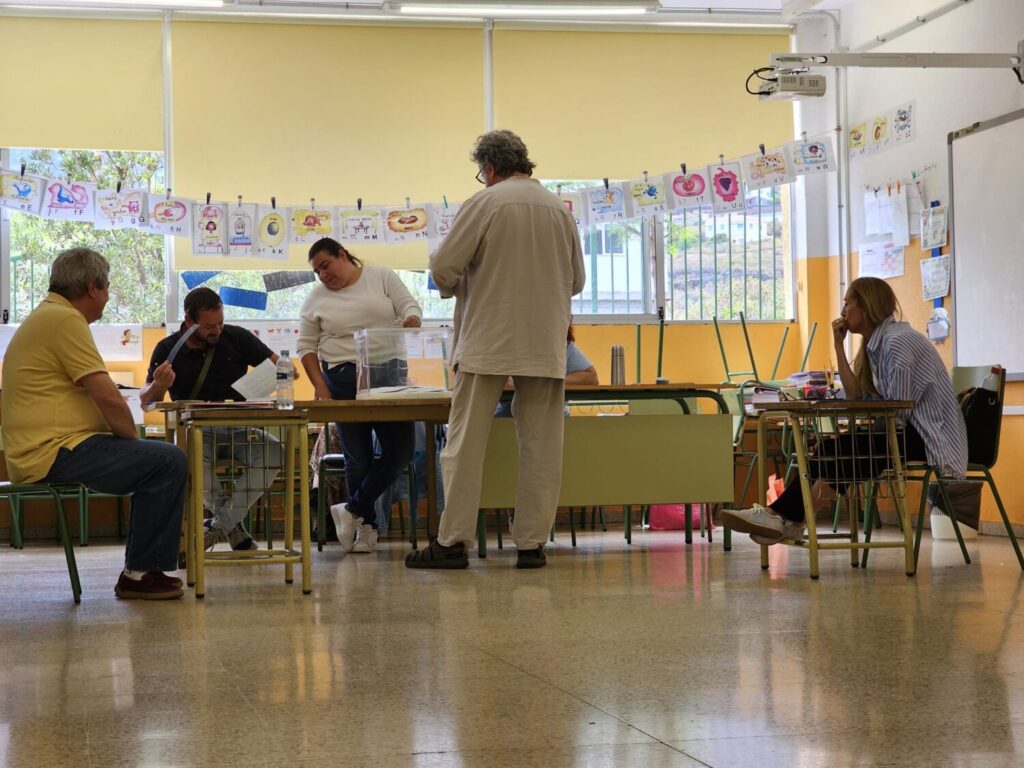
{"type": "Point", "coordinates": [786, 87]}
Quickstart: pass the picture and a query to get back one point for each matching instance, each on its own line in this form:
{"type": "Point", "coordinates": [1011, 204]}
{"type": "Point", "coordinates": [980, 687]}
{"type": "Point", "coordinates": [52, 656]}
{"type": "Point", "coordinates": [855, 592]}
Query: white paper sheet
{"type": "Point", "coordinates": [883, 260]}
{"type": "Point", "coordinates": [934, 277]}
{"type": "Point", "coordinates": [259, 383]}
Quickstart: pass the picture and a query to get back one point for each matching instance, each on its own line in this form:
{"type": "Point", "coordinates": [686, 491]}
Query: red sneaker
{"type": "Point", "coordinates": [153, 586]}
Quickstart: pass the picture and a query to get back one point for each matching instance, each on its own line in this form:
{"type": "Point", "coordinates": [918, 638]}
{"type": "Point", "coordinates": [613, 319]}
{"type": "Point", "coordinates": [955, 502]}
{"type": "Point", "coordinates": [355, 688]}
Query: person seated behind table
{"type": "Point", "coordinates": [894, 362]}
{"type": "Point", "coordinates": [578, 370]}
{"type": "Point", "coordinates": [213, 357]}
{"type": "Point", "coordinates": [64, 421]}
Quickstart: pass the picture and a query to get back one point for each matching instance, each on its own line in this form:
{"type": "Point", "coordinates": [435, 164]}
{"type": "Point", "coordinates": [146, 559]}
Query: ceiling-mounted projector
{"type": "Point", "coordinates": [789, 86]}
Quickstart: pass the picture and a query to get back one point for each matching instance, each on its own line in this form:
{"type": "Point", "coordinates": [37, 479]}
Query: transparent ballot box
{"type": "Point", "coordinates": [403, 362]}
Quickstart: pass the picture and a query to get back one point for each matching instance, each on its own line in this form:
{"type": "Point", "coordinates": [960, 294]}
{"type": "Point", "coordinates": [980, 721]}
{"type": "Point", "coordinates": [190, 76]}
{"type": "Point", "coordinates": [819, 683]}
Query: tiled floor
{"type": "Point", "coordinates": [651, 655]}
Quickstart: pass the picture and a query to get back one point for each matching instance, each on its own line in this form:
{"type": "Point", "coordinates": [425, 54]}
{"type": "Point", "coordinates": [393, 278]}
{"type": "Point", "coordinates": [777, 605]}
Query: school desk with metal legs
{"type": "Point", "coordinates": [187, 422]}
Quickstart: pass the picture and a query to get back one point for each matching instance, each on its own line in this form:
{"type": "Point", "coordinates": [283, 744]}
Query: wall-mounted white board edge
{"type": "Point", "coordinates": [986, 186]}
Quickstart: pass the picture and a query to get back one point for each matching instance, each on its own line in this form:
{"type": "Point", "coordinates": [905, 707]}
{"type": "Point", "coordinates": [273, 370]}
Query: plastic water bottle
{"type": "Point", "coordinates": [285, 396]}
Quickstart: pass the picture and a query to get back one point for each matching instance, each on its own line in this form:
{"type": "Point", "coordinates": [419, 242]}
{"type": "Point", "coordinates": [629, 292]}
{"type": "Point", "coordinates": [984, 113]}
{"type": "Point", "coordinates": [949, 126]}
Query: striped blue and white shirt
{"type": "Point", "coordinates": [906, 366]}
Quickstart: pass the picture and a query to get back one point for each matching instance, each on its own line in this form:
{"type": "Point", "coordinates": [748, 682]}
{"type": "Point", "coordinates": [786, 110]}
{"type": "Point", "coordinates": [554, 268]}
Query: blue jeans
{"type": "Point", "coordinates": [156, 475]}
{"type": "Point", "coordinates": [262, 457]}
{"type": "Point", "coordinates": [367, 476]}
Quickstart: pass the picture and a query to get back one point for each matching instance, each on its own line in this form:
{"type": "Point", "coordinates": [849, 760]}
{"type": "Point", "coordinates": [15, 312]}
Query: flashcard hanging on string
{"type": "Point", "coordinates": [904, 123]}
{"type": "Point", "coordinates": [361, 225]}
{"type": "Point", "coordinates": [241, 228]}
{"type": "Point", "coordinates": [575, 204]}
{"type": "Point", "coordinates": [726, 187]}
{"type": "Point", "coordinates": [604, 204]}
{"type": "Point", "coordinates": [170, 215]}
{"type": "Point", "coordinates": [857, 140]}
{"type": "Point", "coordinates": [121, 210]}
{"type": "Point", "coordinates": [311, 224]}
{"type": "Point", "coordinates": [271, 241]}
{"type": "Point", "coordinates": [442, 220]}
{"type": "Point", "coordinates": [767, 169]}
{"type": "Point", "coordinates": [687, 189]}
{"type": "Point", "coordinates": [21, 192]}
{"type": "Point", "coordinates": [210, 229]}
{"type": "Point", "coordinates": [647, 196]}
{"type": "Point", "coordinates": [812, 156]}
{"type": "Point", "coordinates": [408, 224]}
{"type": "Point", "coordinates": [69, 200]}
{"type": "Point", "coordinates": [933, 228]}
{"type": "Point", "coordinates": [879, 137]}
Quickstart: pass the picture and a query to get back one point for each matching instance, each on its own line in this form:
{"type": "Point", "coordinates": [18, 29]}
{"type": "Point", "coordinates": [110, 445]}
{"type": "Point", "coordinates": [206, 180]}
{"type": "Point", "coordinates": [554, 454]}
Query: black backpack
{"type": "Point", "coordinates": [981, 413]}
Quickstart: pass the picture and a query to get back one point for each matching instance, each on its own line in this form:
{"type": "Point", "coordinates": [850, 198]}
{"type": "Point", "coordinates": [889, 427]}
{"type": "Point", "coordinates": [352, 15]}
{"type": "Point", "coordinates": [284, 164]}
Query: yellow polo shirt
{"type": "Point", "coordinates": [44, 408]}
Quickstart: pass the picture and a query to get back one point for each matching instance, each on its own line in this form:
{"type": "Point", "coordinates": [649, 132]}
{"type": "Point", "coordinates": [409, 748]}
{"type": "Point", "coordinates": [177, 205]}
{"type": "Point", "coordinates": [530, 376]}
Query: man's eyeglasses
{"type": "Point", "coordinates": [480, 176]}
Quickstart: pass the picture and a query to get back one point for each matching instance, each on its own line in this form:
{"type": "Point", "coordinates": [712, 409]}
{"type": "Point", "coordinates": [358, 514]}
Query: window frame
{"type": "Point", "coordinates": [655, 285]}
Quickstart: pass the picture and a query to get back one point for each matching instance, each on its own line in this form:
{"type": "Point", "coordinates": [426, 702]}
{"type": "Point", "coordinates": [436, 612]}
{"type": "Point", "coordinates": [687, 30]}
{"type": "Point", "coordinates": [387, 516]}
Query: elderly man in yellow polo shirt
{"type": "Point", "coordinates": [65, 422]}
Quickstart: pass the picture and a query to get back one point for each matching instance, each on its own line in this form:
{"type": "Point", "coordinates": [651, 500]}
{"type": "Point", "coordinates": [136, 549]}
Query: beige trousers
{"type": "Point", "coordinates": [539, 421]}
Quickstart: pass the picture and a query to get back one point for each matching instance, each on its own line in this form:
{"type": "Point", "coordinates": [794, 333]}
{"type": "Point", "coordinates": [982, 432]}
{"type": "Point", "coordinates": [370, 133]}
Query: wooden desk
{"type": "Point", "coordinates": [805, 417]}
{"type": "Point", "coordinates": [435, 411]}
{"type": "Point", "coordinates": [189, 423]}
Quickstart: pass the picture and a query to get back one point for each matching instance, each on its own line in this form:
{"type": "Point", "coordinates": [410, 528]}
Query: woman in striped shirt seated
{"type": "Point", "coordinates": [894, 362]}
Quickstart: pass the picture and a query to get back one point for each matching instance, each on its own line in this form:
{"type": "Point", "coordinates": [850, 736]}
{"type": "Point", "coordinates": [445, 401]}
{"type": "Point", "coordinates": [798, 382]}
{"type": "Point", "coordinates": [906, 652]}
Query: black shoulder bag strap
{"type": "Point", "coordinates": [202, 374]}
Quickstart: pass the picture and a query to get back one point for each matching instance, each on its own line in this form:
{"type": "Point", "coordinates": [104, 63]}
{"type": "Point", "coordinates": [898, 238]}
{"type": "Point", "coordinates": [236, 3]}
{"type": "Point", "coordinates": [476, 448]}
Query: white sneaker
{"type": "Point", "coordinates": [345, 523]}
{"type": "Point", "coordinates": [790, 531]}
{"type": "Point", "coordinates": [756, 519]}
{"type": "Point", "coordinates": [366, 538]}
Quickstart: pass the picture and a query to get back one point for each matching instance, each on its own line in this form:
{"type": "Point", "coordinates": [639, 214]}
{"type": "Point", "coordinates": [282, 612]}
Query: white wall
{"type": "Point", "coordinates": [946, 99]}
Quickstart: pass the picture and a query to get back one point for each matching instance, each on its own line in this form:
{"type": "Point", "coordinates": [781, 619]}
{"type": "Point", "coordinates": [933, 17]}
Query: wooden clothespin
{"type": "Point", "coordinates": [408, 204]}
{"type": "Point", "coordinates": [208, 198]}
{"type": "Point", "coordinates": [761, 147]}
{"type": "Point", "coordinates": [606, 182]}
{"type": "Point", "coordinates": [23, 169]}
{"type": "Point", "coordinates": [682, 167]}
{"type": "Point", "coordinates": [359, 203]}
{"type": "Point", "coordinates": [444, 199]}
{"type": "Point", "coordinates": [273, 203]}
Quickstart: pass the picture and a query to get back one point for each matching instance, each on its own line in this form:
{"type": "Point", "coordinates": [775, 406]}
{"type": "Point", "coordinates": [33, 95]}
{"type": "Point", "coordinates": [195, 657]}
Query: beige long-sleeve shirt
{"type": "Point", "coordinates": [328, 320]}
{"type": "Point", "coordinates": [513, 262]}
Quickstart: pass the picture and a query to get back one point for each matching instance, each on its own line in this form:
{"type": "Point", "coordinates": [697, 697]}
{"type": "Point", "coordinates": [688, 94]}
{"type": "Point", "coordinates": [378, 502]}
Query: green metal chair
{"type": "Point", "coordinates": [965, 377]}
{"type": "Point", "coordinates": [15, 492]}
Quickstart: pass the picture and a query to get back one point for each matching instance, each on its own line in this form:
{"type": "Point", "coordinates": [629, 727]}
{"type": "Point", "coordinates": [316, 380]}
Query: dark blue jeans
{"type": "Point", "coordinates": [156, 475]}
{"type": "Point", "coordinates": [367, 476]}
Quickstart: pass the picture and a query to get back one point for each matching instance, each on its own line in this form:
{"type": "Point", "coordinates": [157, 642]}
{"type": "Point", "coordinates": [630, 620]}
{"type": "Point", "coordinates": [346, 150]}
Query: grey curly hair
{"type": "Point", "coordinates": [504, 152]}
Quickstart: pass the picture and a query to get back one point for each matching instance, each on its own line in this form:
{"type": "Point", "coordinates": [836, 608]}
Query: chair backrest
{"type": "Point", "coordinates": [966, 376]}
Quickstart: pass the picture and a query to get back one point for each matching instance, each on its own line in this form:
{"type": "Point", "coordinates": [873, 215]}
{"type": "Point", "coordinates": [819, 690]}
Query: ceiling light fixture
{"type": "Point", "coordinates": [63, 5]}
{"type": "Point", "coordinates": [511, 9]}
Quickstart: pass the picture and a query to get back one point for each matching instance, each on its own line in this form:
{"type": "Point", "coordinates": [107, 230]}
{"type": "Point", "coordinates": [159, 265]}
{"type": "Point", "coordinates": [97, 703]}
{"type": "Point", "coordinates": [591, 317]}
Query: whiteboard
{"type": "Point", "coordinates": [986, 175]}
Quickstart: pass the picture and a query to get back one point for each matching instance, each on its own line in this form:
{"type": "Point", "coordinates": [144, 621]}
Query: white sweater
{"type": "Point", "coordinates": [378, 299]}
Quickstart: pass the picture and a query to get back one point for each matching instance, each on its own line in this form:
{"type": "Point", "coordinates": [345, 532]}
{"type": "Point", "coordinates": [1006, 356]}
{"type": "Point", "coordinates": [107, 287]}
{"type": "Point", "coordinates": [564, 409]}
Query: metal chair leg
{"type": "Point", "coordinates": [1006, 520]}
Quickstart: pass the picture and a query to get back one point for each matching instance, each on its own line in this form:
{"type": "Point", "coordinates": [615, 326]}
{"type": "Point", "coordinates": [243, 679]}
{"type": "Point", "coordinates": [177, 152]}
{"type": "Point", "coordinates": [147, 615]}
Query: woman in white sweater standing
{"type": "Point", "coordinates": [350, 297]}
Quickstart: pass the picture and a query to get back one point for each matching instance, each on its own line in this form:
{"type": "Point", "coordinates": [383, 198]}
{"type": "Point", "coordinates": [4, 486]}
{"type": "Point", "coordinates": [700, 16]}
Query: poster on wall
{"type": "Point", "coordinates": [934, 278]}
{"type": "Point", "coordinates": [879, 137]}
{"type": "Point", "coordinates": [766, 169]}
{"type": "Point", "coordinates": [120, 210]}
{"type": "Point", "coordinates": [69, 200]}
{"type": "Point", "coordinates": [883, 259]}
{"type": "Point", "coordinates": [904, 125]}
{"type": "Point", "coordinates": [241, 228]}
{"type": "Point", "coordinates": [646, 196]}
{"type": "Point", "coordinates": [21, 192]}
{"type": "Point", "coordinates": [857, 140]}
{"type": "Point", "coordinates": [361, 225]}
{"type": "Point", "coordinates": [209, 229]}
{"type": "Point", "coordinates": [406, 224]}
{"type": "Point", "coordinates": [933, 228]}
{"type": "Point", "coordinates": [687, 189]}
{"type": "Point", "coordinates": [117, 342]}
{"type": "Point", "coordinates": [811, 156]}
{"type": "Point", "coordinates": [726, 188]}
{"type": "Point", "coordinates": [271, 240]}
{"type": "Point", "coordinates": [170, 215]}
{"type": "Point", "coordinates": [605, 204]}
{"type": "Point", "coordinates": [309, 224]}
{"type": "Point", "coordinates": [442, 219]}
{"type": "Point", "coordinates": [574, 203]}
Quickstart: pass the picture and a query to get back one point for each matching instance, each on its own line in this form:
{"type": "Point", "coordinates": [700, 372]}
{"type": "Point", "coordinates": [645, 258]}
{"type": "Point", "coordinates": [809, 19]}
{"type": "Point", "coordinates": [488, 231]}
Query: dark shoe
{"type": "Point", "coordinates": [437, 555]}
{"type": "Point", "coordinates": [171, 579]}
{"type": "Point", "coordinates": [153, 586]}
{"type": "Point", "coordinates": [531, 558]}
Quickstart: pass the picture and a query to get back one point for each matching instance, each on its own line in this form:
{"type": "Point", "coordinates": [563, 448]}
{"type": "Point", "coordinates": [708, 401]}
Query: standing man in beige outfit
{"type": "Point", "coordinates": [513, 262]}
